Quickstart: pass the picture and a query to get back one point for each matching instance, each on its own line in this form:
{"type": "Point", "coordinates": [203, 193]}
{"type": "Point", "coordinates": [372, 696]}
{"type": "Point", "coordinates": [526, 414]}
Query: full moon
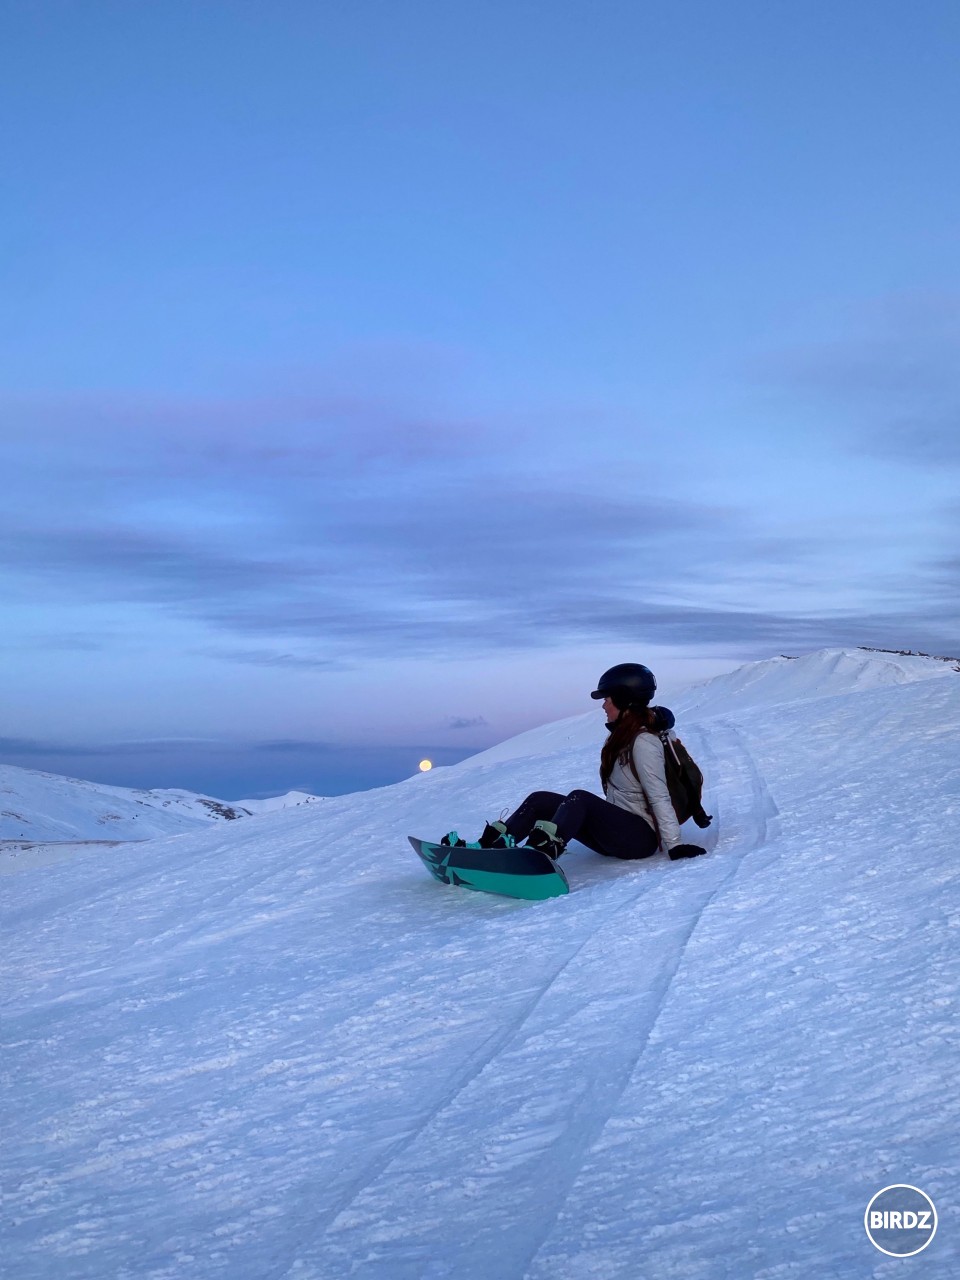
{"type": "Point", "coordinates": [425, 765]}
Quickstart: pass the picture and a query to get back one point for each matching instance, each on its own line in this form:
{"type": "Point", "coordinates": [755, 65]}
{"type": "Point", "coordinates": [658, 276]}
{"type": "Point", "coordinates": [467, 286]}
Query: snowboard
{"type": "Point", "coordinates": [513, 873]}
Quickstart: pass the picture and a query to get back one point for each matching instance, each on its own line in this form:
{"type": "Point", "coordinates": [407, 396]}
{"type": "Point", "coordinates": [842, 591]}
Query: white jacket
{"type": "Point", "coordinates": [649, 797]}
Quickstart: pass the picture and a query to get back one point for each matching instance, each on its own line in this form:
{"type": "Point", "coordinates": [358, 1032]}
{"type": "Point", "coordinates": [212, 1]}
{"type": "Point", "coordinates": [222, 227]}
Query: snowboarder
{"type": "Point", "coordinates": [637, 815]}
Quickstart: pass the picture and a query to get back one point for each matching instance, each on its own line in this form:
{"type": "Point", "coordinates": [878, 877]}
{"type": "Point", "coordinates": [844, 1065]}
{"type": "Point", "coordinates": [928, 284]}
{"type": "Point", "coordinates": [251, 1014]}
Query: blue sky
{"type": "Point", "coordinates": [376, 374]}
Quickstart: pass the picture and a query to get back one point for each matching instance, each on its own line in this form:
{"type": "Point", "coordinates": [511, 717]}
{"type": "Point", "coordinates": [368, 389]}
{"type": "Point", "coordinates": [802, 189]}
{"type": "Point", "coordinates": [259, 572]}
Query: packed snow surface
{"type": "Point", "coordinates": [278, 1048]}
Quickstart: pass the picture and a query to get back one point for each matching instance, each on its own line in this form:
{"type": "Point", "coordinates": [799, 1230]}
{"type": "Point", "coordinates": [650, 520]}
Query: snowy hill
{"type": "Point", "coordinates": [816, 675]}
{"type": "Point", "coordinates": [277, 1048]}
{"type": "Point", "coordinates": [289, 801]}
{"type": "Point", "coordinates": [44, 806]}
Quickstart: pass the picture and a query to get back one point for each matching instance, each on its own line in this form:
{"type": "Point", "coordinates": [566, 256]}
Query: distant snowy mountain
{"type": "Point", "coordinates": [290, 801]}
{"type": "Point", "coordinates": [45, 806]}
{"type": "Point", "coordinates": [824, 674]}
{"type": "Point", "coordinates": [280, 1049]}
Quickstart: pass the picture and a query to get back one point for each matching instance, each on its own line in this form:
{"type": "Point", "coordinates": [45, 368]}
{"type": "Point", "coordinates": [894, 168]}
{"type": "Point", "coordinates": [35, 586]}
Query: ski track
{"type": "Point", "coordinates": [602, 1078]}
{"type": "Point", "coordinates": [478, 1063]}
{"type": "Point", "coordinates": [744, 825]}
{"type": "Point", "coordinates": [368, 1221]}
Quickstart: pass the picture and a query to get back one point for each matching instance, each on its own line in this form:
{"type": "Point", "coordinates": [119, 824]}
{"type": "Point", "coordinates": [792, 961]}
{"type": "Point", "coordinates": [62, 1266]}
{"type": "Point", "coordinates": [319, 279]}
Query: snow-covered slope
{"type": "Point", "coordinates": [289, 801]}
{"type": "Point", "coordinates": [815, 675]}
{"type": "Point", "coordinates": [277, 1048]}
{"type": "Point", "coordinates": [44, 806]}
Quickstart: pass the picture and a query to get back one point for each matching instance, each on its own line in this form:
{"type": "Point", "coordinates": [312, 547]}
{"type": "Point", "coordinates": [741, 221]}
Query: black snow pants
{"type": "Point", "coordinates": [581, 815]}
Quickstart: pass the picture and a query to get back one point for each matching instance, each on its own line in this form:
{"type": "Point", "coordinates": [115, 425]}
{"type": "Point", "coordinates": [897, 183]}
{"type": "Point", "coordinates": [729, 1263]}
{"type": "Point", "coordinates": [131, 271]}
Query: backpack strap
{"type": "Point", "coordinates": [664, 736]}
{"type": "Point", "coordinates": [668, 746]}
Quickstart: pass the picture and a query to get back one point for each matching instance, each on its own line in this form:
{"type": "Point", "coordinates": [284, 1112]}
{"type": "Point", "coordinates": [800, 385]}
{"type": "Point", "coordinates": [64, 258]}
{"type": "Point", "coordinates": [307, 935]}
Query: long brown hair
{"type": "Point", "coordinates": [628, 724]}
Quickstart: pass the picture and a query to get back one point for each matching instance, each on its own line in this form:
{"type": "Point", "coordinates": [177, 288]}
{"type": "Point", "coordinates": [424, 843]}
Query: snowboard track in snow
{"type": "Point", "coordinates": [602, 1078]}
{"type": "Point", "coordinates": [760, 821]}
{"type": "Point", "coordinates": [481, 1061]}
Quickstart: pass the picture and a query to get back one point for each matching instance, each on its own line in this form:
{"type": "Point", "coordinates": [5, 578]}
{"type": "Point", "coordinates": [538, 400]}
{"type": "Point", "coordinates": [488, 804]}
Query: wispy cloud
{"type": "Point", "coordinates": [932, 443]}
{"type": "Point", "coordinates": [466, 722]}
{"type": "Point", "coordinates": [282, 433]}
{"type": "Point", "coordinates": [43, 748]}
{"type": "Point", "coordinates": [269, 657]}
{"type": "Point", "coordinates": [67, 642]}
{"type": "Point", "coordinates": [309, 531]}
{"type": "Point", "coordinates": [892, 381]}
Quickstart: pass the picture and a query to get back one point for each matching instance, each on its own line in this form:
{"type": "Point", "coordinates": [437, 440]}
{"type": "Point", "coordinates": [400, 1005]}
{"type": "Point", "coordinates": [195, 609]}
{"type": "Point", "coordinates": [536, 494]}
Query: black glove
{"type": "Point", "coordinates": [686, 851]}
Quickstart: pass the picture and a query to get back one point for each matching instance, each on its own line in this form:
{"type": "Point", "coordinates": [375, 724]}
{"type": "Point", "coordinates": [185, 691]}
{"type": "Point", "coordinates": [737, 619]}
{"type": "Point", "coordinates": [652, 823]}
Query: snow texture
{"type": "Point", "coordinates": [289, 801]}
{"type": "Point", "coordinates": [277, 1048]}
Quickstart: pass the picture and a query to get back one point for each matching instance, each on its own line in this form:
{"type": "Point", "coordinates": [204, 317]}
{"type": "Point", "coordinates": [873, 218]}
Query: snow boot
{"type": "Point", "coordinates": [496, 836]}
{"type": "Point", "coordinates": [453, 841]}
{"type": "Point", "coordinates": [544, 837]}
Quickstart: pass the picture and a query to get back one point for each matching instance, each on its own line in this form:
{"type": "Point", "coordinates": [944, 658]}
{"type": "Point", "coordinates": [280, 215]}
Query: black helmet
{"type": "Point", "coordinates": [628, 685]}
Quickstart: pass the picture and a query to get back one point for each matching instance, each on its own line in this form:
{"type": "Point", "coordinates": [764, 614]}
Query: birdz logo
{"type": "Point", "coordinates": [900, 1220]}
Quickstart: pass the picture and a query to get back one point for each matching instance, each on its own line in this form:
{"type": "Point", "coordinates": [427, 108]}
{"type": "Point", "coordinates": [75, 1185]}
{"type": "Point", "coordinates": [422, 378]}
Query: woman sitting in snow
{"type": "Point", "coordinates": [637, 816]}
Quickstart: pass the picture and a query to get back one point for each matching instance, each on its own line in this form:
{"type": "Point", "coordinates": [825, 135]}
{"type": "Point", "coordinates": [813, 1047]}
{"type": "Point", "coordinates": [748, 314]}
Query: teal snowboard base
{"type": "Point", "coordinates": [513, 873]}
